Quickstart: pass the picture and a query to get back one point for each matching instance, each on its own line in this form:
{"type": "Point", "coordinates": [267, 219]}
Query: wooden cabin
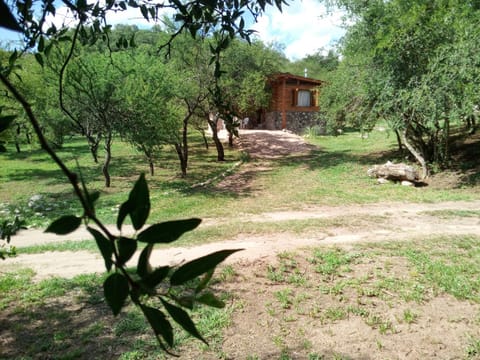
{"type": "Point", "coordinates": [294, 103]}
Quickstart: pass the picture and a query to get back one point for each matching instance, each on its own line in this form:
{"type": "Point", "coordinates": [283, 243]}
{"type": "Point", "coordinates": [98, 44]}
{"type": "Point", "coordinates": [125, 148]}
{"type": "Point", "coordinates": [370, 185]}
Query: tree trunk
{"type": "Point", "coordinates": [17, 146]}
{"type": "Point", "coordinates": [471, 126]}
{"type": "Point", "coordinates": [399, 141]}
{"type": "Point", "coordinates": [183, 163]}
{"type": "Point", "coordinates": [93, 144]}
{"type": "Point", "coordinates": [230, 139]}
{"type": "Point", "coordinates": [394, 172]}
{"type": "Point", "coordinates": [151, 165]}
{"type": "Point", "coordinates": [416, 154]}
{"type": "Point", "coordinates": [108, 158]}
{"type": "Point", "coordinates": [185, 145]}
{"type": "Point", "coordinates": [216, 140]}
{"type": "Point", "coordinates": [204, 137]}
{"type": "Point", "coordinates": [446, 142]}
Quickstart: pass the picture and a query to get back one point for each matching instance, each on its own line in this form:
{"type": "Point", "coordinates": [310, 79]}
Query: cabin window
{"type": "Point", "coordinates": [304, 98]}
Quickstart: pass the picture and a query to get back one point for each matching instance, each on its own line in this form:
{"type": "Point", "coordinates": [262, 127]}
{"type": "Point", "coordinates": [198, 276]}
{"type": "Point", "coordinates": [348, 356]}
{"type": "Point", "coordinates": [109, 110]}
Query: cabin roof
{"type": "Point", "coordinates": [278, 77]}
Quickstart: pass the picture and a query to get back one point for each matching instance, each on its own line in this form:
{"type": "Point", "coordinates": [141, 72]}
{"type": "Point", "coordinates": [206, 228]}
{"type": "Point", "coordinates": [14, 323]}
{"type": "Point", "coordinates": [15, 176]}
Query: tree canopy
{"type": "Point", "coordinates": [412, 64]}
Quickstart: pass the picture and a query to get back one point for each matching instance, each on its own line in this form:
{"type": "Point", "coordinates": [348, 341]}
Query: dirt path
{"type": "Point", "coordinates": [375, 222]}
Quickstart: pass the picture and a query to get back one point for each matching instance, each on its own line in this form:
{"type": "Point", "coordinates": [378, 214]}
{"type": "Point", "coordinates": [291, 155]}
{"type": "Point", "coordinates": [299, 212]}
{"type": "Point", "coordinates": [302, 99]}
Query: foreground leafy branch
{"type": "Point", "coordinates": [147, 285]}
{"type": "Point", "coordinates": [162, 293]}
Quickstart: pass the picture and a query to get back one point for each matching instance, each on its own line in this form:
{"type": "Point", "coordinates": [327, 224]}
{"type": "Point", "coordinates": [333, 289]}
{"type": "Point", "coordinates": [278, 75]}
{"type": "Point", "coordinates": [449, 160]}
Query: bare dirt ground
{"type": "Point", "coordinates": [442, 330]}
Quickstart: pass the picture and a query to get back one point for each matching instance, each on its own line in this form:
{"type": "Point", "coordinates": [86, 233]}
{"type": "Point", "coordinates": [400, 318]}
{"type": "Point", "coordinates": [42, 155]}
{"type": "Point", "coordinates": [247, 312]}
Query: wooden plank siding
{"type": "Point", "coordinates": [285, 88]}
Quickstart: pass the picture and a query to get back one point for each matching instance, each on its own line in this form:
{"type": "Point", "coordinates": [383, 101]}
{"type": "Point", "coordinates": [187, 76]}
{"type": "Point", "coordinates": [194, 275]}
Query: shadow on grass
{"type": "Point", "coordinates": [466, 160]}
{"type": "Point", "coordinates": [320, 159]}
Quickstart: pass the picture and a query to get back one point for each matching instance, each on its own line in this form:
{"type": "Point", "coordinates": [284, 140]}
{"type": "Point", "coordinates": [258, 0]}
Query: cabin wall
{"type": "Point", "coordinates": [284, 98]}
{"type": "Point", "coordinates": [297, 121]}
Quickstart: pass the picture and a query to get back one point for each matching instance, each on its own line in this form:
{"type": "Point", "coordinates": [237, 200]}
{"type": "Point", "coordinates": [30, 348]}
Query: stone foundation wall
{"type": "Point", "coordinates": [297, 121]}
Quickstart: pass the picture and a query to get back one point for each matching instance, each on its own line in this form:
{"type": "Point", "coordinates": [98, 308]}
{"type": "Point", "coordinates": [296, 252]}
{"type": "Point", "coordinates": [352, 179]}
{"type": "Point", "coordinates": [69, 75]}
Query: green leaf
{"type": "Point", "coordinates": [210, 300]}
{"type": "Point", "coordinates": [64, 225]}
{"type": "Point", "coordinates": [126, 249]}
{"type": "Point", "coordinates": [159, 323]}
{"type": "Point", "coordinates": [116, 291]}
{"type": "Point", "coordinates": [168, 231]}
{"type": "Point", "coordinates": [122, 214]}
{"type": "Point", "coordinates": [182, 318]}
{"type": "Point", "coordinates": [104, 245]}
{"type": "Point", "coordinates": [204, 282]}
{"type": "Point", "coordinates": [143, 266]}
{"type": "Point", "coordinates": [41, 44]}
{"type": "Point", "coordinates": [92, 197]}
{"type": "Point", "coordinates": [199, 266]}
{"type": "Point", "coordinates": [186, 301]}
{"type": "Point", "coordinates": [156, 276]}
{"type": "Point", "coordinates": [7, 20]}
{"type": "Point", "coordinates": [39, 59]}
{"type": "Point", "coordinates": [139, 200]}
{"type": "Point", "coordinates": [144, 11]}
{"type": "Point", "coordinates": [5, 122]}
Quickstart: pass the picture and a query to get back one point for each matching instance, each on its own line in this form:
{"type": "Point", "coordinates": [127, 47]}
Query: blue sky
{"type": "Point", "coordinates": [302, 28]}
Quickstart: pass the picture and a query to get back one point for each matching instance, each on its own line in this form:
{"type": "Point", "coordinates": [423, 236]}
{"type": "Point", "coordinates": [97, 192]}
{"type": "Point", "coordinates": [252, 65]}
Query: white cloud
{"type": "Point", "coordinates": [303, 28]}
{"type": "Point", "coordinates": [131, 16]}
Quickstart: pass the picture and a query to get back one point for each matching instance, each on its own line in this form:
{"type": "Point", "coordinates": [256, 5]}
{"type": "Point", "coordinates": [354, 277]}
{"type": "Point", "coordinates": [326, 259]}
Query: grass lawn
{"type": "Point", "coordinates": [333, 174]}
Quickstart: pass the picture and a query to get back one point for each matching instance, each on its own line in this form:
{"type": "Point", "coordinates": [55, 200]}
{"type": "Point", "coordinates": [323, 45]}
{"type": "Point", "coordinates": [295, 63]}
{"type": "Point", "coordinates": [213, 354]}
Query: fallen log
{"type": "Point", "coordinates": [394, 172]}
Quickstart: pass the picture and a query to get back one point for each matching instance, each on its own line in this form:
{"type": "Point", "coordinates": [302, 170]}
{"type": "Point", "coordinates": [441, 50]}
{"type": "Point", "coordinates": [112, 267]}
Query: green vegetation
{"type": "Point", "coordinates": [409, 63]}
{"type": "Point", "coordinates": [340, 162]}
{"type": "Point", "coordinates": [84, 93]}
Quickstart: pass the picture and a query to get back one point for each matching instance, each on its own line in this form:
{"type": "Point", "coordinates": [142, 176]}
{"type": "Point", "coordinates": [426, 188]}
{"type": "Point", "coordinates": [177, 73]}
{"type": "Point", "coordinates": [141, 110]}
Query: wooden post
{"type": "Point", "coordinates": [283, 104]}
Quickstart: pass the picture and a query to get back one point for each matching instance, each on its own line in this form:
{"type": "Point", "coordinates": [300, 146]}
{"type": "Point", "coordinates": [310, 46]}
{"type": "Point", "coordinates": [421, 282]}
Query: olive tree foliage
{"type": "Point", "coordinates": [413, 64]}
{"type": "Point", "coordinates": [148, 287]}
{"type": "Point", "coordinates": [317, 65]}
{"type": "Point", "coordinates": [150, 90]}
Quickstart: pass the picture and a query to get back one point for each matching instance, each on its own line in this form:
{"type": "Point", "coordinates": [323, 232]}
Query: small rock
{"type": "Point", "coordinates": [407, 183]}
{"type": "Point", "coordinates": [382, 181]}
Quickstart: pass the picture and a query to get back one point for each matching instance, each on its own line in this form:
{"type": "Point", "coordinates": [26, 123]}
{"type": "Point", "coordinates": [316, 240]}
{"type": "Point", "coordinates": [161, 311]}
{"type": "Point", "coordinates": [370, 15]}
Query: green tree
{"type": "Point", "coordinates": [226, 19]}
{"type": "Point", "coordinates": [407, 51]}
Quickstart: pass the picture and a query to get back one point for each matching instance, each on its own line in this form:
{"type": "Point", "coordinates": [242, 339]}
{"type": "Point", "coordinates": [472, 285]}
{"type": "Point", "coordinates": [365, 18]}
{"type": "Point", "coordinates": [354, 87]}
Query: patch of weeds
{"type": "Point", "coordinates": [289, 318]}
{"type": "Point", "coordinates": [377, 322]}
{"type": "Point", "coordinates": [409, 316]}
{"type": "Point", "coordinates": [315, 356]}
{"type": "Point", "coordinates": [297, 279]}
{"type": "Point", "coordinates": [358, 310]}
{"type": "Point", "coordinates": [473, 349]}
{"type": "Point", "coordinates": [132, 322]}
{"type": "Point", "coordinates": [457, 277]}
{"type": "Point", "coordinates": [227, 273]}
{"type": "Point", "coordinates": [284, 355]}
{"type": "Point", "coordinates": [13, 284]}
{"type": "Point", "coordinates": [274, 274]}
{"type": "Point", "coordinates": [299, 301]}
{"type": "Point", "coordinates": [306, 344]}
{"type": "Point", "coordinates": [331, 262]}
{"type": "Point", "coordinates": [337, 288]}
{"type": "Point", "coordinates": [369, 291]}
{"type": "Point", "coordinates": [335, 313]}
{"type": "Point", "coordinates": [286, 270]}
{"type": "Point", "coordinates": [284, 297]}
{"type": "Point", "coordinates": [270, 309]}
{"type": "Point", "coordinates": [416, 293]}
{"type": "Point", "coordinates": [379, 344]}
{"type": "Point", "coordinates": [386, 327]}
